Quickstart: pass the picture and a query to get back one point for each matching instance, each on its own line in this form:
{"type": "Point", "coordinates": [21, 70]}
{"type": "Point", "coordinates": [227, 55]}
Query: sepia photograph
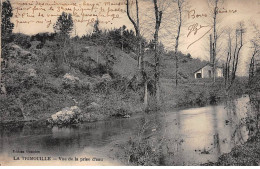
{"type": "Point", "coordinates": [130, 83]}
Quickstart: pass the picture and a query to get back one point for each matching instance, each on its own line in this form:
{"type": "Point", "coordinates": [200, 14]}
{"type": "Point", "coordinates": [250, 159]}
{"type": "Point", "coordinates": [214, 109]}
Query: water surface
{"type": "Point", "coordinates": [196, 136]}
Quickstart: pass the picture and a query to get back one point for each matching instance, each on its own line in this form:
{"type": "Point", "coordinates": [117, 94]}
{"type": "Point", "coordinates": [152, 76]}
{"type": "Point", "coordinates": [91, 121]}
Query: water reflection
{"type": "Point", "coordinates": [186, 137]}
{"type": "Point", "coordinates": [253, 114]}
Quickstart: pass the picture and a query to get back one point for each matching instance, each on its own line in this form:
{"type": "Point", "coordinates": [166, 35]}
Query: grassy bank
{"type": "Point", "coordinates": [199, 92]}
{"type": "Point", "coordinates": [247, 154]}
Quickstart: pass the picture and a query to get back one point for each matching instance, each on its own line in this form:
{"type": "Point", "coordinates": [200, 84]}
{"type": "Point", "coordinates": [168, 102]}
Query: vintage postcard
{"type": "Point", "coordinates": [130, 83]}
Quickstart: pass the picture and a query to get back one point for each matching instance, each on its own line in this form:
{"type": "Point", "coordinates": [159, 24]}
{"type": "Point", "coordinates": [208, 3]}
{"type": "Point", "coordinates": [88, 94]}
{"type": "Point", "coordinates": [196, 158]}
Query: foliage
{"type": "Point", "coordinates": [146, 148]}
{"type": "Point", "coordinates": [143, 153]}
{"type": "Point", "coordinates": [10, 108]}
{"type": "Point", "coordinates": [22, 40]}
{"type": "Point", "coordinates": [64, 24]}
{"type": "Point", "coordinates": [122, 38]}
{"type": "Point", "coordinates": [96, 27]}
{"type": "Point", "coordinates": [6, 25]}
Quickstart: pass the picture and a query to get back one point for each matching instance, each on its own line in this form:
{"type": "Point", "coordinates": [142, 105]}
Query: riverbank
{"type": "Point", "coordinates": [187, 137]}
{"type": "Point", "coordinates": [200, 92]}
{"type": "Point", "coordinates": [36, 87]}
{"type": "Point", "coordinates": [181, 137]}
{"type": "Point", "coordinates": [101, 99]}
{"type": "Point", "coordinates": [247, 154]}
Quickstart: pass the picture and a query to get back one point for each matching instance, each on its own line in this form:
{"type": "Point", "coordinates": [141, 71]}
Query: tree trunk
{"type": "Point", "coordinates": [139, 47]}
{"type": "Point", "coordinates": [140, 61]}
{"type": "Point", "coordinates": [158, 17]}
{"type": "Point", "coordinates": [1, 51]}
{"type": "Point", "coordinates": [137, 29]}
{"type": "Point", "coordinates": [214, 40]}
{"type": "Point", "coordinates": [235, 59]}
{"type": "Point", "coordinates": [177, 67]}
{"type": "Point", "coordinates": [157, 69]}
{"type": "Point", "coordinates": [177, 42]}
{"type": "Point", "coordinates": [145, 95]}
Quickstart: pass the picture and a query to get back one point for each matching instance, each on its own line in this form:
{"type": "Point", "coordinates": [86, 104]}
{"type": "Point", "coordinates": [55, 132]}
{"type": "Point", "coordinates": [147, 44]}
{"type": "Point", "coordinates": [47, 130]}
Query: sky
{"type": "Point", "coordinates": [114, 16]}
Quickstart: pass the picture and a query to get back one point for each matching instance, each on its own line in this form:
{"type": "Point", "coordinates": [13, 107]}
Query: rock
{"type": "Point", "coordinates": [25, 54]}
{"type": "Point", "coordinates": [70, 77]}
{"type": "Point", "coordinates": [94, 105]}
{"type": "Point", "coordinates": [106, 77]}
{"type": "Point", "coordinates": [2, 89]}
{"type": "Point", "coordinates": [86, 84]}
{"type": "Point", "coordinates": [70, 80]}
{"type": "Point", "coordinates": [32, 72]}
{"type": "Point", "coordinates": [15, 47]}
{"type": "Point", "coordinates": [66, 116]}
{"type": "Point", "coordinates": [85, 49]}
{"type": "Point", "coordinates": [126, 116]}
{"type": "Point", "coordinates": [16, 51]}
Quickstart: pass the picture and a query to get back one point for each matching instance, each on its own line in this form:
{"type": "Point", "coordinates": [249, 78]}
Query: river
{"type": "Point", "coordinates": [194, 136]}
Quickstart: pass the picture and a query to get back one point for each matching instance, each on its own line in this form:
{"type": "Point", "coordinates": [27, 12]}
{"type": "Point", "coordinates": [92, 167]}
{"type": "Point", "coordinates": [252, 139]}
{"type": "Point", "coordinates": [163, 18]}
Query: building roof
{"type": "Point", "coordinates": [207, 65]}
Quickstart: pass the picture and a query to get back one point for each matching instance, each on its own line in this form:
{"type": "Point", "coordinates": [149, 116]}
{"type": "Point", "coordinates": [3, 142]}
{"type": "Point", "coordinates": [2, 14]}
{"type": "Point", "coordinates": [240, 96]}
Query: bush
{"type": "Point", "coordinates": [22, 40]}
{"type": "Point", "coordinates": [201, 99]}
{"type": "Point", "coordinates": [19, 79]}
{"type": "Point", "coordinates": [197, 96]}
{"type": "Point", "coordinates": [11, 108]}
{"type": "Point", "coordinates": [35, 102]}
{"type": "Point", "coordinates": [144, 153]}
{"type": "Point", "coordinates": [58, 71]}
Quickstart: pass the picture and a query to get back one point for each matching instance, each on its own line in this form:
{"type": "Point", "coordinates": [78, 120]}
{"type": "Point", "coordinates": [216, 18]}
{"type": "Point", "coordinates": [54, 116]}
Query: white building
{"type": "Point", "coordinates": [207, 72]}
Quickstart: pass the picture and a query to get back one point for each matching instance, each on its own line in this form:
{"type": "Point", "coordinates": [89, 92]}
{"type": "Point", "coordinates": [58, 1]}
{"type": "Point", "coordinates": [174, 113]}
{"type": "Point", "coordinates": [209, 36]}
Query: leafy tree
{"type": "Point", "coordinates": [189, 55]}
{"type": "Point", "coordinates": [7, 13]}
{"type": "Point", "coordinates": [96, 27]}
{"type": "Point", "coordinates": [6, 30]}
{"type": "Point", "coordinates": [64, 24]}
{"type": "Point", "coordinates": [63, 28]}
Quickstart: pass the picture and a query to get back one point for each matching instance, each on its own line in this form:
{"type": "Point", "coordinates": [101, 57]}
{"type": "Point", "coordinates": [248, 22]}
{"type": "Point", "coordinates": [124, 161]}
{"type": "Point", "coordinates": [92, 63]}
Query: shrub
{"type": "Point", "coordinates": [201, 99]}
{"type": "Point", "coordinates": [22, 40]}
{"type": "Point", "coordinates": [35, 102]}
{"type": "Point", "coordinates": [58, 71]}
{"type": "Point", "coordinates": [144, 153]}
{"type": "Point", "coordinates": [11, 108]}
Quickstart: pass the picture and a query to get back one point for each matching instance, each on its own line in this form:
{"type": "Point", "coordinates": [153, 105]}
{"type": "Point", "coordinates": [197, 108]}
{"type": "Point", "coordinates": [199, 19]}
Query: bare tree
{"type": "Point", "coordinates": [216, 33]}
{"type": "Point", "coordinates": [158, 20]}
{"type": "Point", "coordinates": [255, 42]}
{"type": "Point", "coordinates": [136, 24]}
{"type": "Point", "coordinates": [252, 66]}
{"type": "Point", "coordinates": [228, 59]}
{"type": "Point", "coordinates": [214, 45]}
{"type": "Point", "coordinates": [233, 56]}
{"type": "Point", "coordinates": [180, 20]}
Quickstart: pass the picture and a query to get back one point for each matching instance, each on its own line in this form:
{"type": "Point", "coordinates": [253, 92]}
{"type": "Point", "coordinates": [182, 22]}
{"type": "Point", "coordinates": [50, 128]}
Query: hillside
{"type": "Point", "coordinates": [187, 65]}
{"type": "Point", "coordinates": [37, 88]}
{"type": "Point", "coordinates": [42, 78]}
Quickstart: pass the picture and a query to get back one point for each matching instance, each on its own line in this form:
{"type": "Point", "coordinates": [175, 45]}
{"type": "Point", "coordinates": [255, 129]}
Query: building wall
{"type": "Point", "coordinates": [207, 72]}
{"type": "Point", "coordinates": [219, 72]}
{"type": "Point", "coordinates": [195, 74]}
